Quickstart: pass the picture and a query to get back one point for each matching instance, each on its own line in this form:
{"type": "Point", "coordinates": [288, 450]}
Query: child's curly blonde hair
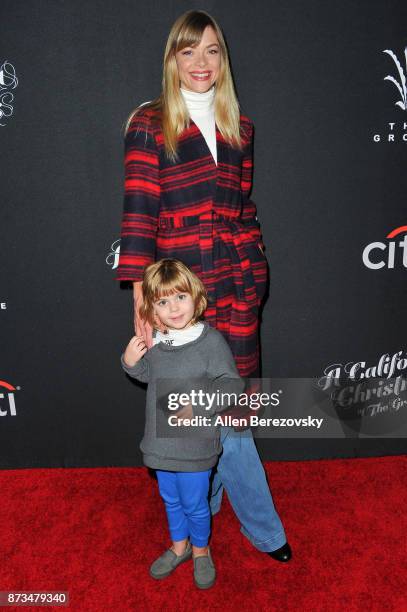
{"type": "Point", "coordinates": [165, 277]}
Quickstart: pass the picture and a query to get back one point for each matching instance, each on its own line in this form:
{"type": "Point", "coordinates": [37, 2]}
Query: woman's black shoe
{"type": "Point", "coordinates": [281, 554]}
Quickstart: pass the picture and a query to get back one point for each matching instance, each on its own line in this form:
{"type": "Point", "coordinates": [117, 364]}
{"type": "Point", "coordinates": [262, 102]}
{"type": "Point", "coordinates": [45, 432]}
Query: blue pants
{"type": "Point", "coordinates": [241, 473]}
{"type": "Point", "coordinates": [185, 495]}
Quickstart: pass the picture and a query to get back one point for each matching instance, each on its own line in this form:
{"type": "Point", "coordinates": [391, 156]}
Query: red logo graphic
{"type": "Point", "coordinates": [9, 405]}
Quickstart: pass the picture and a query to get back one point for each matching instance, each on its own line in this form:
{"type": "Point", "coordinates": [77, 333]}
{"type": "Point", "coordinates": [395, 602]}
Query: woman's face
{"type": "Point", "coordinates": [198, 67]}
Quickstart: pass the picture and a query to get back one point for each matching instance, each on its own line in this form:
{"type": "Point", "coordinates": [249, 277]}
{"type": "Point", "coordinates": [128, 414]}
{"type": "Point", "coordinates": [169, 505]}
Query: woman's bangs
{"type": "Point", "coordinates": [191, 35]}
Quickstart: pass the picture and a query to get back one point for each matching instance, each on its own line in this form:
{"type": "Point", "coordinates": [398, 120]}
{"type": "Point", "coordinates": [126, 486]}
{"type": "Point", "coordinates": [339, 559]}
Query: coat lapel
{"type": "Point", "coordinates": [220, 153]}
{"type": "Point", "coordinates": [204, 145]}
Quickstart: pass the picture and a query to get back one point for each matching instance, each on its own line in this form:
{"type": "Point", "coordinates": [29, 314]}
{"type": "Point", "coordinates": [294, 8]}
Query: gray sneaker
{"type": "Point", "coordinates": [166, 564]}
{"type": "Point", "coordinates": [204, 571]}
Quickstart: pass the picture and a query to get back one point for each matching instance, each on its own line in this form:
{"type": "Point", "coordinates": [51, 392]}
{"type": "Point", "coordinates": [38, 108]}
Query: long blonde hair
{"type": "Point", "coordinates": [170, 108]}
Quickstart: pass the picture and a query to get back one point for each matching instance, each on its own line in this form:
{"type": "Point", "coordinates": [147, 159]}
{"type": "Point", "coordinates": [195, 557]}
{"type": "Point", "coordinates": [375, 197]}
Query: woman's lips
{"type": "Point", "coordinates": [198, 77]}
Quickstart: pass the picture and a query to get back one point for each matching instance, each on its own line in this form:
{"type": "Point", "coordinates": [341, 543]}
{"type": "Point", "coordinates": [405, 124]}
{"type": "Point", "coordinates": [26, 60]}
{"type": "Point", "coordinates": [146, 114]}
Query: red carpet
{"type": "Point", "coordinates": [94, 533]}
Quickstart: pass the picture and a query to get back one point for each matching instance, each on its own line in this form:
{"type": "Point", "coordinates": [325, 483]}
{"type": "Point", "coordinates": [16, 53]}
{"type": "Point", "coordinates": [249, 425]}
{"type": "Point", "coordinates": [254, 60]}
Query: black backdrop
{"type": "Point", "coordinates": [328, 181]}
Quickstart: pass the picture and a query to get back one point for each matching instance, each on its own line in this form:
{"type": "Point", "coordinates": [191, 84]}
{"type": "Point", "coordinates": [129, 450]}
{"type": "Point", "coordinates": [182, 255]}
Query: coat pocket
{"type": "Point", "coordinates": [179, 243]}
{"type": "Point", "coordinates": [258, 262]}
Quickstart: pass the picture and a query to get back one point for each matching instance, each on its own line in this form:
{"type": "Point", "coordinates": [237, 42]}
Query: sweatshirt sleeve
{"type": "Point", "coordinates": [141, 200]}
{"type": "Point", "coordinates": [222, 376]}
{"type": "Point", "coordinates": [249, 210]}
{"type": "Point", "coordinates": [140, 371]}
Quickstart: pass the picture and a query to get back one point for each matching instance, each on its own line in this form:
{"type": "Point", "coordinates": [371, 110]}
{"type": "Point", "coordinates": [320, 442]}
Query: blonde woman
{"type": "Point", "coordinates": [188, 177]}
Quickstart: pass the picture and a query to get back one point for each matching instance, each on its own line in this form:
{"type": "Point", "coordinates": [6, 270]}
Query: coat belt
{"type": "Point", "coordinates": [186, 220]}
{"type": "Point", "coordinates": [245, 287]}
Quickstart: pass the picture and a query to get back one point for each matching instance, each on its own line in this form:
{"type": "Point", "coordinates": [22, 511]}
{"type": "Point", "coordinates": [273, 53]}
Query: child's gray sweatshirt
{"type": "Point", "coordinates": [207, 358]}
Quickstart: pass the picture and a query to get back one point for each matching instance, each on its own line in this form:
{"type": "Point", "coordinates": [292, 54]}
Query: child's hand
{"type": "Point", "coordinates": [134, 350]}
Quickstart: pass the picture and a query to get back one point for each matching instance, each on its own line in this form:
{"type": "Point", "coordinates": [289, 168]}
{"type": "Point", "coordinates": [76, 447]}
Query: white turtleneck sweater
{"type": "Point", "coordinates": [202, 111]}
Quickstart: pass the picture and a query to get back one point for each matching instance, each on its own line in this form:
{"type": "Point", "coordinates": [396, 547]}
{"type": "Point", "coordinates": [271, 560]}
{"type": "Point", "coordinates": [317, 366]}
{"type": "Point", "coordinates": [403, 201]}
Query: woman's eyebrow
{"type": "Point", "coordinates": [207, 46]}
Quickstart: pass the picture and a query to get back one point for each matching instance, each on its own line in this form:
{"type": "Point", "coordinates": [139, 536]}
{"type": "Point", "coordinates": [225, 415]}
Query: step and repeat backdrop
{"type": "Point", "coordinates": [325, 85]}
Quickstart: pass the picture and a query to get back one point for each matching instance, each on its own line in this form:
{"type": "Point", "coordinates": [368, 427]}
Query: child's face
{"type": "Point", "coordinates": [175, 311]}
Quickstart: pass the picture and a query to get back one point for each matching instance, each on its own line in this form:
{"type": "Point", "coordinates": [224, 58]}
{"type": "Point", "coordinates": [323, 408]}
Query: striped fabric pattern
{"type": "Point", "coordinates": [202, 214]}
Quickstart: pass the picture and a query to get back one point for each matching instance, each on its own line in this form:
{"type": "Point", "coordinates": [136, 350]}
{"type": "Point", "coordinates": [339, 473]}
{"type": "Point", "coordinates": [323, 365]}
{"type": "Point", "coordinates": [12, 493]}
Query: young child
{"type": "Point", "coordinates": [174, 299]}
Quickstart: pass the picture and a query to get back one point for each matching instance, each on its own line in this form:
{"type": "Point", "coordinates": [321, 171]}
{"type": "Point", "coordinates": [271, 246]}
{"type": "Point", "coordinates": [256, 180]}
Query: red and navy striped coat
{"type": "Point", "coordinates": [199, 212]}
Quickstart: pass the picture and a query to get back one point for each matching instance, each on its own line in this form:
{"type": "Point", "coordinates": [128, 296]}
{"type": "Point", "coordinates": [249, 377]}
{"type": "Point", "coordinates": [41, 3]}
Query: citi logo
{"type": "Point", "coordinates": [400, 82]}
{"type": "Point", "coordinates": [388, 254]}
{"type": "Point", "coordinates": [7, 399]}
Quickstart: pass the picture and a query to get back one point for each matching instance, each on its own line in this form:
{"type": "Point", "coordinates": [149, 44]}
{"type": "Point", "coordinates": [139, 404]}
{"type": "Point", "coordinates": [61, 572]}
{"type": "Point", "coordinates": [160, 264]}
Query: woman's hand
{"type": "Point", "coordinates": [134, 351]}
{"type": "Point", "coordinates": [141, 327]}
{"type": "Point", "coordinates": [186, 412]}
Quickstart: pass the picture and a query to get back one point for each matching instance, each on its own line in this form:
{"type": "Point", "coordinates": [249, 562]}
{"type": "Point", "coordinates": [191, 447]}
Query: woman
{"type": "Point", "coordinates": [188, 174]}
